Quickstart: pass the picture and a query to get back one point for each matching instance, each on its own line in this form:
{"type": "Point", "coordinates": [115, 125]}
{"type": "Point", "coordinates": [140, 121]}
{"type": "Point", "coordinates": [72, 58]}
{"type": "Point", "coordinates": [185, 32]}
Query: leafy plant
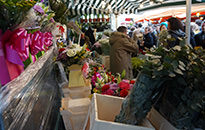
{"type": "Point", "coordinates": [12, 12]}
{"type": "Point", "coordinates": [181, 72]}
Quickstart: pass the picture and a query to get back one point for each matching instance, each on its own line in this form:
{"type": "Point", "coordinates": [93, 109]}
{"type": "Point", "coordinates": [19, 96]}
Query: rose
{"type": "Point", "coordinates": [61, 50]}
{"type": "Point", "coordinates": [124, 85]}
{"type": "Point", "coordinates": [71, 52]}
{"type": "Point", "coordinates": [108, 92]}
{"type": "Point", "coordinates": [105, 87]}
{"type": "Point", "coordinates": [123, 93]}
{"type": "Point", "coordinates": [132, 81]}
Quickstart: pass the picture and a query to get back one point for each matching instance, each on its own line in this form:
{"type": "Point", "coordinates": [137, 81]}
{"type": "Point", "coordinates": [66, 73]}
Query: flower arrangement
{"type": "Point", "coordinates": [73, 55]}
{"type": "Point", "coordinates": [104, 82]}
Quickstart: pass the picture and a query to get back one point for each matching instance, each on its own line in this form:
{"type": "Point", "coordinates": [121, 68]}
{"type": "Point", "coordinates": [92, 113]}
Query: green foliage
{"type": "Point", "coordinates": [62, 13]}
{"type": "Point", "coordinates": [12, 12]}
{"type": "Point", "coordinates": [177, 75]}
{"type": "Point", "coordinates": [137, 63]}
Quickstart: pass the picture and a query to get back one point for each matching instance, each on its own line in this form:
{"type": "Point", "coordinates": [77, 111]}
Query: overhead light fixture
{"type": "Point", "coordinates": [198, 14]}
{"type": "Point", "coordinates": [161, 0]}
{"type": "Point", "coordinates": [151, 2]}
{"type": "Point", "coordinates": [201, 18]}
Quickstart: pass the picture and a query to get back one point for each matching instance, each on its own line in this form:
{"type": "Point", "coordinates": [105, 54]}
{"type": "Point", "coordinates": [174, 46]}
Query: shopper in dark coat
{"type": "Point", "coordinates": [90, 34]}
{"type": "Point", "coordinates": [200, 37]}
{"type": "Point", "coordinates": [148, 39]}
{"type": "Point", "coordinates": [175, 29]}
{"type": "Point", "coordinates": [120, 54]}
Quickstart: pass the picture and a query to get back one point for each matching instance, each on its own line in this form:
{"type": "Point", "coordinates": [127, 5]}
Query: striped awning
{"type": "Point", "coordinates": [81, 7]}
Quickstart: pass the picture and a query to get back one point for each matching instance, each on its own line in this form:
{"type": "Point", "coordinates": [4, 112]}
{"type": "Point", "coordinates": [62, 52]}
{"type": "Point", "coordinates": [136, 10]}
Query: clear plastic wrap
{"type": "Point", "coordinates": [32, 101]}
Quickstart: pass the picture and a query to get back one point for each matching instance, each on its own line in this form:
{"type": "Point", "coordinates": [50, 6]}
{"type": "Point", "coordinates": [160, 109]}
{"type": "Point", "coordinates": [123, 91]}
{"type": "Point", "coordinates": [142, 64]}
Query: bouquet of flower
{"type": "Point", "coordinates": [104, 82]}
{"type": "Point", "coordinates": [73, 55]}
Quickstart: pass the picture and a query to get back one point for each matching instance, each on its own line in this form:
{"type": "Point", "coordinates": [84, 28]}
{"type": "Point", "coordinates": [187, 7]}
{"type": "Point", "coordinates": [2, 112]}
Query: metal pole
{"type": "Point", "coordinates": [116, 24]}
{"type": "Point", "coordinates": [188, 20]}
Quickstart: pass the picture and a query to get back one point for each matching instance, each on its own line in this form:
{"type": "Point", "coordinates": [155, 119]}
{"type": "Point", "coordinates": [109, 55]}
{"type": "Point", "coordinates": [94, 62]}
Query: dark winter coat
{"type": "Point", "coordinates": [120, 54]}
{"type": "Point", "coordinates": [90, 34]}
{"type": "Point", "coordinates": [148, 40]}
{"type": "Point", "coordinates": [200, 39]}
{"type": "Point", "coordinates": [176, 35]}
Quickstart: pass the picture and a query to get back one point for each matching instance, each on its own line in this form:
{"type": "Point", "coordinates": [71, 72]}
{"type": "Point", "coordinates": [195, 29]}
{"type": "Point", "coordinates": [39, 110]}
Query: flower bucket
{"type": "Point", "coordinates": [104, 108]}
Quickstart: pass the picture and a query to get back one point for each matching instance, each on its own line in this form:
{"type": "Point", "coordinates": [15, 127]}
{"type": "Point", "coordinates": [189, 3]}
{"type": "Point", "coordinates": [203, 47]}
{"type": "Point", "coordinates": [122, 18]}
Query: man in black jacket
{"type": "Point", "coordinates": [200, 37]}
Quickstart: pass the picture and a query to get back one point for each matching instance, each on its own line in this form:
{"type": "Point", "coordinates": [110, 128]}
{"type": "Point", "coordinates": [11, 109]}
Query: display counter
{"type": "Point", "coordinates": [32, 100]}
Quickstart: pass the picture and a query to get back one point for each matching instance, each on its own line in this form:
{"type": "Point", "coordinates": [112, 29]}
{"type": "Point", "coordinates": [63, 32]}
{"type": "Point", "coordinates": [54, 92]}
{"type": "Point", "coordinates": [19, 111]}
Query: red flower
{"type": "Point", "coordinates": [123, 93]}
{"type": "Point", "coordinates": [87, 49]}
{"type": "Point", "coordinates": [124, 85]}
{"type": "Point", "coordinates": [132, 81]}
{"type": "Point", "coordinates": [108, 92]}
{"type": "Point", "coordinates": [61, 50]}
{"type": "Point", "coordinates": [105, 87]}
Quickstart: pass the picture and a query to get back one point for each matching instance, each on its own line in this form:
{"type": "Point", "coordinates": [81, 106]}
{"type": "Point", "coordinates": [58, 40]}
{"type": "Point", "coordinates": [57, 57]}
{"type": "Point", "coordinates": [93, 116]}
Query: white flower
{"type": "Point", "coordinates": [153, 56]}
{"type": "Point", "coordinates": [169, 36]}
{"type": "Point", "coordinates": [71, 52]}
{"type": "Point", "coordinates": [177, 48]}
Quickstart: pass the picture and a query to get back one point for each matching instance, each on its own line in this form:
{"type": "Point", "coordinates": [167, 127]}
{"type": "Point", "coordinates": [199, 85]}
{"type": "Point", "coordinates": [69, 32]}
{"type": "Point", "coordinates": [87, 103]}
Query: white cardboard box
{"type": "Point", "coordinates": [74, 112]}
{"type": "Point", "coordinates": [104, 108]}
{"type": "Point", "coordinates": [158, 121]}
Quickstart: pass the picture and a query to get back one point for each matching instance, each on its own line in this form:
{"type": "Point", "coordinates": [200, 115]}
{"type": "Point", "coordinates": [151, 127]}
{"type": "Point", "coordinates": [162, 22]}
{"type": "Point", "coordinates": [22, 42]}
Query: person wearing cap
{"type": "Point", "coordinates": [163, 26]}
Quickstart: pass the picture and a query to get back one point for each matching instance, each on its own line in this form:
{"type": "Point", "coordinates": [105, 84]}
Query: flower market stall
{"type": "Point", "coordinates": [53, 77]}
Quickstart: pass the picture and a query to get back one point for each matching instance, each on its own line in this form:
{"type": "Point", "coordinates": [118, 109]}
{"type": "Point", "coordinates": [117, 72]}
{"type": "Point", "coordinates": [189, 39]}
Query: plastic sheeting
{"type": "Point", "coordinates": [32, 101]}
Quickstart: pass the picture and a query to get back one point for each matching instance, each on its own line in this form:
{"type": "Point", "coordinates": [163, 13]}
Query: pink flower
{"type": "Point", "coordinates": [38, 9]}
{"type": "Point", "coordinates": [114, 86]}
{"type": "Point", "coordinates": [123, 93]}
{"type": "Point", "coordinates": [124, 85]}
{"type": "Point", "coordinates": [94, 78]}
{"type": "Point", "coordinates": [125, 80]}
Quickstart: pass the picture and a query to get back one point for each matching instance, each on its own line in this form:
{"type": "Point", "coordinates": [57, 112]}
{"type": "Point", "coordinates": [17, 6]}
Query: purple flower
{"type": "Point", "coordinates": [42, 1]}
{"type": "Point", "coordinates": [52, 20]}
{"type": "Point", "coordinates": [114, 86]}
{"type": "Point", "coordinates": [38, 9]}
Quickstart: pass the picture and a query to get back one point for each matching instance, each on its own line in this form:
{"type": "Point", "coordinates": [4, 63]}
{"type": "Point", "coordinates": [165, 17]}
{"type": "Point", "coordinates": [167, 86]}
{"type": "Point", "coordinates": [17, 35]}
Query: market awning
{"type": "Point", "coordinates": [81, 7]}
{"type": "Point", "coordinates": [177, 11]}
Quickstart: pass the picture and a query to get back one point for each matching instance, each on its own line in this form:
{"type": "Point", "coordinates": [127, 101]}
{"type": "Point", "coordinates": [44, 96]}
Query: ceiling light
{"type": "Point", "coordinates": [198, 14]}
{"type": "Point", "coordinates": [151, 2]}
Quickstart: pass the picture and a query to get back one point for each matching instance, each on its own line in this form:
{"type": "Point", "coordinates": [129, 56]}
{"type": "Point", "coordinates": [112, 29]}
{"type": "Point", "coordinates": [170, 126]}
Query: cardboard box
{"type": "Point", "coordinates": [104, 108]}
{"type": "Point", "coordinates": [74, 112]}
{"type": "Point", "coordinates": [158, 121]}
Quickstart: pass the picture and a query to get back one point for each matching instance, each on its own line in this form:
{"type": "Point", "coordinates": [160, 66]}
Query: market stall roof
{"type": "Point", "coordinates": [177, 11]}
{"type": "Point", "coordinates": [80, 7]}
